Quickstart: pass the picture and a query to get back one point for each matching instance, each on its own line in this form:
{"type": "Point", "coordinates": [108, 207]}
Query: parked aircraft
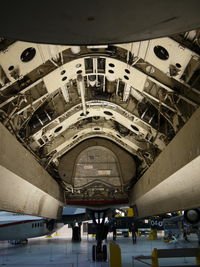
{"type": "Point", "coordinates": [183, 224]}
{"type": "Point", "coordinates": [18, 228]}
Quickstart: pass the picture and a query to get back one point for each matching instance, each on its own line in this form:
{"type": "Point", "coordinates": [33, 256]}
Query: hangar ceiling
{"type": "Point", "coordinates": [136, 96]}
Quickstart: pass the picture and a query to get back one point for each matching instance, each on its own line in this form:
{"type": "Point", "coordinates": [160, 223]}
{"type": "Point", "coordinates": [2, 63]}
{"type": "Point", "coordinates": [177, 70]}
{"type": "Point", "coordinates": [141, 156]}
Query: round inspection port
{"type": "Point", "coordinates": [79, 72]}
{"type": "Point", "coordinates": [58, 129]}
{"type": "Point", "coordinates": [161, 52]}
{"type": "Point", "coordinates": [75, 136]}
{"type": "Point", "coordinates": [111, 71]}
{"type": "Point", "coordinates": [64, 78]}
{"type": "Point", "coordinates": [97, 129]}
{"type": "Point", "coordinates": [11, 68]}
{"type": "Point", "coordinates": [126, 77]}
{"type": "Point", "coordinates": [78, 65]}
{"type": "Point", "coordinates": [134, 128]}
{"type": "Point", "coordinates": [127, 71]}
{"type": "Point", "coordinates": [111, 65]}
{"type": "Point", "coordinates": [178, 65]}
{"type": "Point", "coordinates": [108, 113]}
{"type": "Point", "coordinates": [28, 54]}
{"type": "Point", "coordinates": [62, 72]}
{"type": "Point", "coordinates": [118, 135]}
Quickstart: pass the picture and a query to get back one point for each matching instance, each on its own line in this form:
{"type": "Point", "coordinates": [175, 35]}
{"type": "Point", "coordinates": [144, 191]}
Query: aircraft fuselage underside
{"type": "Point", "coordinates": [97, 118]}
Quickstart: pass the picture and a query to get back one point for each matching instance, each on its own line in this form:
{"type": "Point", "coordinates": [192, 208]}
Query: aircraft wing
{"type": "Point", "coordinates": [74, 215]}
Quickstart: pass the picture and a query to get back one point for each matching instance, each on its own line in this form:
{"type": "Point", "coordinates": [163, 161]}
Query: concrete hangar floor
{"type": "Point", "coordinates": [62, 252]}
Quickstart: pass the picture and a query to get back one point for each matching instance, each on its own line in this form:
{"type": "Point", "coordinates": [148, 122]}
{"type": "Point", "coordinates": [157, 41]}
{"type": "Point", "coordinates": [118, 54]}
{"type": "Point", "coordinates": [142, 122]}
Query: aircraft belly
{"type": "Point", "coordinates": [94, 126]}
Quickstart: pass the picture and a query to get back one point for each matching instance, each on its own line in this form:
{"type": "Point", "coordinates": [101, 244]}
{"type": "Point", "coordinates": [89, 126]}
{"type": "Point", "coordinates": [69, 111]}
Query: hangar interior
{"type": "Point", "coordinates": [100, 126]}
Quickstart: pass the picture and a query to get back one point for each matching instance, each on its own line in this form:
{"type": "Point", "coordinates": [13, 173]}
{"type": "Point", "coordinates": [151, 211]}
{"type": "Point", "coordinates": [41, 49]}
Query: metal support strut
{"type": "Point", "coordinates": [99, 252]}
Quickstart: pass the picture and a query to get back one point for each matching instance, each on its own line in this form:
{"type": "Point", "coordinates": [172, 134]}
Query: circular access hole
{"type": "Point", "coordinates": [96, 128]}
{"type": "Point", "coordinates": [178, 65]}
{"type": "Point", "coordinates": [111, 71]}
{"type": "Point", "coordinates": [118, 135]}
{"type": "Point", "coordinates": [64, 78]}
{"type": "Point", "coordinates": [126, 77]}
{"type": "Point", "coordinates": [62, 72]}
{"type": "Point", "coordinates": [111, 65]}
{"type": "Point", "coordinates": [78, 65]}
{"type": "Point", "coordinates": [79, 71]}
{"type": "Point", "coordinates": [28, 54]}
{"type": "Point", "coordinates": [11, 68]}
{"type": "Point", "coordinates": [161, 52]}
{"type": "Point", "coordinates": [75, 136]}
{"type": "Point", "coordinates": [127, 71]}
{"type": "Point", "coordinates": [58, 129]}
{"type": "Point", "coordinates": [134, 128]}
{"type": "Point", "coordinates": [82, 114]}
{"type": "Point", "coordinates": [108, 113]}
